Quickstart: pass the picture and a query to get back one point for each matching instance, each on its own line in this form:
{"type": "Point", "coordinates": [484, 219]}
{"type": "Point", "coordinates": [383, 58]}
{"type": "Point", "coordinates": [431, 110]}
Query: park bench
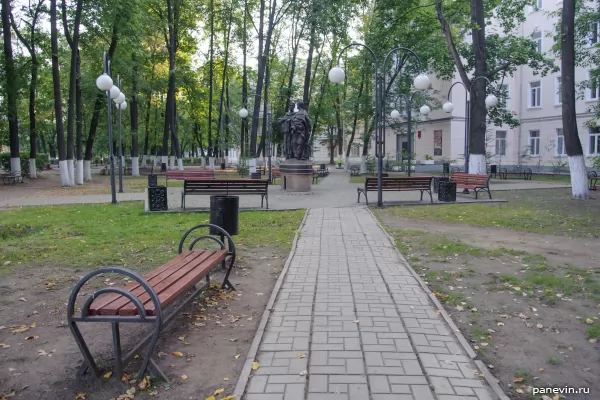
{"type": "Point", "coordinates": [190, 174]}
{"type": "Point", "coordinates": [398, 184]}
{"type": "Point", "coordinates": [276, 174]}
{"type": "Point", "coordinates": [593, 178]}
{"type": "Point", "coordinates": [226, 187]}
{"type": "Point", "coordinates": [519, 173]}
{"type": "Point", "coordinates": [354, 170]}
{"type": "Point", "coordinates": [475, 182]}
{"type": "Point", "coordinates": [323, 170]}
{"type": "Point", "coordinates": [12, 178]}
{"type": "Point", "coordinates": [144, 299]}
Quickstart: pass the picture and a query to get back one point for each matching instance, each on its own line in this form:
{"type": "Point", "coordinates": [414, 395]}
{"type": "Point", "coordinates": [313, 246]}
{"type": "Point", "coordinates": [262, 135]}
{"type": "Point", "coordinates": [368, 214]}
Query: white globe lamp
{"type": "Point", "coordinates": [336, 75]}
{"type": "Point", "coordinates": [491, 101]}
{"type": "Point", "coordinates": [120, 98]}
{"type": "Point", "coordinates": [395, 114]}
{"type": "Point", "coordinates": [104, 82]}
{"type": "Point", "coordinates": [243, 113]}
{"type": "Point", "coordinates": [425, 110]}
{"type": "Point", "coordinates": [421, 82]}
{"type": "Point", "coordinates": [114, 92]}
{"type": "Point", "coordinates": [448, 107]}
{"type": "Point", "coordinates": [122, 105]}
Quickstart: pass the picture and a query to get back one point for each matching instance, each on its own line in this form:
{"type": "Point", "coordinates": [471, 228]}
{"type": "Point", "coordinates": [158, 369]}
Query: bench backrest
{"type": "Point", "coordinates": [276, 172]}
{"type": "Point", "coordinates": [470, 179]}
{"type": "Point", "coordinates": [182, 175]}
{"type": "Point", "coordinates": [226, 186]}
{"type": "Point", "coordinates": [399, 183]}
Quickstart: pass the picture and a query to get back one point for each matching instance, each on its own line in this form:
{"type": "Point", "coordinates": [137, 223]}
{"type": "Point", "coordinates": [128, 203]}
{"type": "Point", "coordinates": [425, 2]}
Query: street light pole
{"type": "Point", "coordinates": [243, 114]}
{"type": "Point", "coordinates": [105, 83]}
{"type": "Point", "coordinates": [120, 142]}
{"type": "Point", "coordinates": [421, 82]}
{"type": "Point", "coordinates": [490, 101]}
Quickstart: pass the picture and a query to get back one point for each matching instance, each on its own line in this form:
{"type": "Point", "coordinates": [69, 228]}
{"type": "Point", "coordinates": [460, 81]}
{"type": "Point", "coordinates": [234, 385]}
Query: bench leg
{"type": "Point", "coordinates": [358, 199]}
{"type": "Point", "coordinates": [116, 336]}
{"type": "Point", "coordinates": [421, 195]}
{"type": "Point", "coordinates": [430, 196]}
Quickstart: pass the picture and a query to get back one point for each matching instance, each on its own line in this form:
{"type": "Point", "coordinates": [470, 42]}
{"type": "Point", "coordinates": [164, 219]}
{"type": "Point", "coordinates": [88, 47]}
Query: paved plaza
{"type": "Point", "coordinates": [351, 322]}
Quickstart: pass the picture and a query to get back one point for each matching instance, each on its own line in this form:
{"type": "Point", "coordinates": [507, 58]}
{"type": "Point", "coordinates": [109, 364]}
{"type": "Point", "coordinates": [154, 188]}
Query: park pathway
{"type": "Point", "coordinates": [351, 322]}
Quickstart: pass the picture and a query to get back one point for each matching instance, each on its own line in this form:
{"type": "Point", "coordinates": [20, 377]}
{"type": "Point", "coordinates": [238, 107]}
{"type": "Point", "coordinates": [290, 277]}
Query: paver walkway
{"type": "Point", "coordinates": [352, 323]}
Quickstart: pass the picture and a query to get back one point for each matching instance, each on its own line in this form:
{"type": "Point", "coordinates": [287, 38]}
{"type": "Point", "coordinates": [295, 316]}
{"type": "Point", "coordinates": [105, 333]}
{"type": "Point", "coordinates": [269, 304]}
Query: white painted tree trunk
{"type": "Point", "coordinates": [346, 166]}
{"type": "Point", "coordinates": [135, 167]}
{"type": "Point", "coordinates": [32, 169]}
{"type": "Point", "coordinates": [164, 160]}
{"type": "Point", "coordinates": [252, 165]}
{"type": "Point", "coordinates": [211, 163]}
{"type": "Point", "coordinates": [579, 179]}
{"type": "Point", "coordinates": [87, 170]}
{"type": "Point", "coordinates": [477, 164]}
{"type": "Point", "coordinates": [363, 165]}
{"type": "Point", "coordinates": [171, 162]}
{"type": "Point", "coordinates": [79, 173]}
{"type": "Point", "coordinates": [180, 164]}
{"type": "Point", "coordinates": [64, 173]}
{"type": "Point", "coordinates": [144, 161]}
{"type": "Point", "coordinates": [203, 162]}
{"type": "Point", "coordinates": [15, 164]}
{"type": "Point", "coordinates": [71, 172]}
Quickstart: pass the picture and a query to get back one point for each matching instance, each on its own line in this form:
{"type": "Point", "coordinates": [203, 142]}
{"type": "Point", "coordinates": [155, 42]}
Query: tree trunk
{"type": "Point", "coordinates": [307, 73]}
{"type": "Point", "coordinates": [147, 131]}
{"type": "Point", "coordinates": [226, 37]}
{"type": "Point", "coordinates": [11, 90]}
{"type": "Point", "coordinates": [98, 106]}
{"type": "Point", "coordinates": [578, 170]}
{"type": "Point", "coordinates": [135, 168]}
{"type": "Point", "coordinates": [79, 124]}
{"type": "Point", "coordinates": [355, 118]}
{"type": "Point", "coordinates": [244, 130]}
{"type": "Point", "coordinates": [211, 68]}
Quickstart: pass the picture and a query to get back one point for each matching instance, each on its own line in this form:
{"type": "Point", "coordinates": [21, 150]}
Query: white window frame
{"type": "Point", "coordinates": [534, 143]}
{"type": "Point", "coordinates": [501, 144]}
{"type": "Point", "coordinates": [594, 142]}
{"type": "Point", "coordinates": [594, 89]}
{"type": "Point", "coordinates": [505, 88]}
{"type": "Point", "coordinates": [530, 92]}
{"type": "Point", "coordinates": [539, 41]}
{"type": "Point", "coordinates": [558, 90]}
{"type": "Point", "coordinates": [560, 149]}
{"type": "Point", "coordinates": [595, 33]}
{"type": "Point", "coordinates": [539, 4]}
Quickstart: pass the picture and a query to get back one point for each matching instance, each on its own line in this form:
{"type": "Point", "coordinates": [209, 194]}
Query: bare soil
{"type": "Point", "coordinates": [41, 362]}
{"type": "Point", "coordinates": [527, 340]}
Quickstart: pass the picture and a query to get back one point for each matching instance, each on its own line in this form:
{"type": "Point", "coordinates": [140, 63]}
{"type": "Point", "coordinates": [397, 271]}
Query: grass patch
{"type": "Point", "coordinates": [553, 360]}
{"type": "Point", "coordinates": [540, 211]}
{"type": "Point", "coordinates": [94, 235]}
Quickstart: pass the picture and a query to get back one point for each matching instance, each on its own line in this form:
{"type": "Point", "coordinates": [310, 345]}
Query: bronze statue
{"type": "Point", "coordinates": [296, 128]}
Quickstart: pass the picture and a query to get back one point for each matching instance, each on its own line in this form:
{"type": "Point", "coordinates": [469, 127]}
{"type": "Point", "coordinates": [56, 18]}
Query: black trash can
{"type": "Point", "coordinates": [157, 198]}
{"type": "Point", "coordinates": [152, 180]}
{"type": "Point", "coordinates": [447, 191]}
{"type": "Point", "coordinates": [222, 166]}
{"type": "Point", "coordinates": [437, 180]}
{"type": "Point", "coordinates": [225, 212]}
{"type": "Point", "coordinates": [493, 170]}
{"type": "Point", "coordinates": [163, 167]}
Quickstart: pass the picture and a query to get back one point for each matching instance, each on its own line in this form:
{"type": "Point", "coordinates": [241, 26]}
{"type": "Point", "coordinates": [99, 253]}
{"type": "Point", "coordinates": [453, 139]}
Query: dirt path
{"type": "Point", "coordinates": [557, 249]}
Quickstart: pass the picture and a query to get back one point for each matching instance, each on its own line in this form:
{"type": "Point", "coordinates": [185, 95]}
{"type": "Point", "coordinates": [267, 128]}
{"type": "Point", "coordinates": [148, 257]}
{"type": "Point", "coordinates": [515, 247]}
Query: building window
{"type": "Point", "coordinates": [537, 38]}
{"type": "Point", "coordinates": [500, 143]}
{"type": "Point", "coordinates": [594, 31]}
{"type": "Point", "coordinates": [594, 141]}
{"type": "Point", "coordinates": [355, 151]}
{"type": "Point", "coordinates": [560, 143]}
{"type": "Point", "coordinates": [505, 96]}
{"type": "Point", "coordinates": [558, 99]}
{"type": "Point", "coordinates": [534, 143]}
{"type": "Point", "coordinates": [538, 4]}
{"type": "Point", "coordinates": [594, 90]}
{"type": "Point", "coordinates": [535, 94]}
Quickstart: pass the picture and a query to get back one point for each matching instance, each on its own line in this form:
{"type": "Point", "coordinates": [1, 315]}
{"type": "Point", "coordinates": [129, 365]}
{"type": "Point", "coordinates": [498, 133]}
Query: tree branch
{"type": "Point", "coordinates": [65, 23]}
{"type": "Point", "coordinates": [450, 41]}
{"type": "Point", "coordinates": [499, 69]}
{"type": "Point", "coordinates": [21, 38]}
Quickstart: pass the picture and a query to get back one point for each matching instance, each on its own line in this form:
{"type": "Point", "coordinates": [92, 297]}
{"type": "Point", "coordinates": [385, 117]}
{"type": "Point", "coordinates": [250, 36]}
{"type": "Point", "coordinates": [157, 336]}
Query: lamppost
{"type": "Point", "coordinates": [421, 82]}
{"type": "Point", "coordinates": [244, 114]}
{"type": "Point", "coordinates": [490, 101]}
{"type": "Point", "coordinates": [105, 83]}
{"type": "Point", "coordinates": [408, 104]}
{"type": "Point", "coordinates": [121, 105]}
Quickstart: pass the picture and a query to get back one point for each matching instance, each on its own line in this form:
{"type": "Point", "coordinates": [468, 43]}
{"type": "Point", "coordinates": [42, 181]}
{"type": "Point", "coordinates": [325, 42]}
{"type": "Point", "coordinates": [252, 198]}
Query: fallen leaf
{"type": "Point", "coordinates": [178, 354]}
{"type": "Point", "coordinates": [233, 339]}
{"type": "Point", "coordinates": [80, 396]}
{"type": "Point", "coordinates": [184, 377]}
{"type": "Point", "coordinates": [236, 357]}
{"type": "Point", "coordinates": [42, 353]}
{"type": "Point", "coordinates": [519, 391]}
{"type": "Point", "coordinates": [300, 355]}
{"type": "Point", "coordinates": [23, 299]}
{"type": "Point", "coordinates": [4, 346]}
{"type": "Point", "coordinates": [21, 329]}
{"type": "Point", "coordinates": [161, 354]}
{"type": "Point", "coordinates": [255, 365]}
{"type": "Point", "coordinates": [11, 369]}
{"type": "Point", "coordinates": [356, 321]}
{"type": "Point", "coordinates": [259, 294]}
{"type": "Point", "coordinates": [108, 374]}
{"type": "Point", "coordinates": [539, 326]}
{"type": "Point", "coordinates": [521, 315]}
{"type": "Point", "coordinates": [211, 398]}
{"type": "Point", "coordinates": [131, 391]}
{"type": "Point", "coordinates": [182, 337]}
{"type": "Point", "coordinates": [542, 369]}
{"type": "Point", "coordinates": [500, 323]}
{"type": "Point", "coordinates": [518, 380]}
{"type": "Point", "coordinates": [303, 373]}
{"type": "Point", "coordinates": [32, 337]}
{"type": "Point", "coordinates": [218, 392]}
{"type": "Point", "coordinates": [144, 384]}
{"type": "Point", "coordinates": [33, 325]}
{"type": "Point", "coordinates": [229, 397]}
{"type": "Point", "coordinates": [153, 393]}
{"type": "Point", "coordinates": [225, 379]}
{"type": "Point", "coordinates": [589, 321]}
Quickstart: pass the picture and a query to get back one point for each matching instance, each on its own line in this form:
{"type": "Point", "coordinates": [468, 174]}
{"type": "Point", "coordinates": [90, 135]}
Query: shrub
{"type": "Point", "coordinates": [40, 162]}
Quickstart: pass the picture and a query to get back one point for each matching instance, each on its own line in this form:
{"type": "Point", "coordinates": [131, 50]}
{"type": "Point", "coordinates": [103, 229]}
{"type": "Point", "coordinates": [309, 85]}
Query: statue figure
{"type": "Point", "coordinates": [300, 129]}
{"type": "Point", "coordinates": [285, 124]}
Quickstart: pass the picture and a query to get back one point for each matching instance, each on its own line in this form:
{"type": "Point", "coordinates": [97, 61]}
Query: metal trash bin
{"type": "Point", "coordinates": [225, 213]}
{"type": "Point", "coordinates": [447, 192]}
{"type": "Point", "coordinates": [157, 198]}
{"type": "Point", "coordinates": [437, 180]}
{"type": "Point", "coordinates": [493, 170]}
{"type": "Point", "coordinates": [152, 180]}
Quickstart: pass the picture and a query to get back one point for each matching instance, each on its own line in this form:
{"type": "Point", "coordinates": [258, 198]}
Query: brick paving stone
{"type": "Point", "coordinates": [351, 322]}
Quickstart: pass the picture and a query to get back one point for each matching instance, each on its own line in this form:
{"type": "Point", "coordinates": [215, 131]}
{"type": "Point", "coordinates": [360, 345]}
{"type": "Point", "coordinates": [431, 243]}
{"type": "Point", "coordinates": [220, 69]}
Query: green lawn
{"type": "Point", "coordinates": [96, 235]}
{"type": "Point", "coordinates": [540, 211]}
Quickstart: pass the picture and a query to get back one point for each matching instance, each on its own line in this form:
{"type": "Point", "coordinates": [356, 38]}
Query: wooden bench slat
{"type": "Point", "coordinates": [154, 278]}
{"type": "Point", "coordinates": [177, 283]}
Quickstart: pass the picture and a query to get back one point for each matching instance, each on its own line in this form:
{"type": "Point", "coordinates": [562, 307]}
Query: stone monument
{"type": "Point", "coordinates": [296, 170]}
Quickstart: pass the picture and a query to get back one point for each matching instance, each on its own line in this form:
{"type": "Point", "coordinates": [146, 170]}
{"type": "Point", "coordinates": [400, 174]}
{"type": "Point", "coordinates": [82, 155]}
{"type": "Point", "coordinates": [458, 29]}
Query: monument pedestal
{"type": "Point", "coordinates": [296, 175]}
